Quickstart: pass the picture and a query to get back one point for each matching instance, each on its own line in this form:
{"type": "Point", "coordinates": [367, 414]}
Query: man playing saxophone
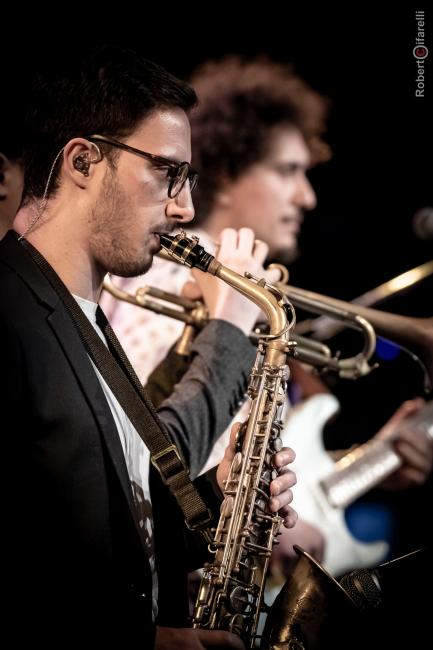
{"type": "Point", "coordinates": [92, 475]}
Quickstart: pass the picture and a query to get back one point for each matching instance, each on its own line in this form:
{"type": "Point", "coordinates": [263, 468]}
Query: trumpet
{"type": "Point", "coordinates": [193, 313]}
{"type": "Point", "coordinates": [324, 328]}
{"type": "Point", "coordinates": [195, 316]}
{"type": "Point", "coordinates": [415, 335]}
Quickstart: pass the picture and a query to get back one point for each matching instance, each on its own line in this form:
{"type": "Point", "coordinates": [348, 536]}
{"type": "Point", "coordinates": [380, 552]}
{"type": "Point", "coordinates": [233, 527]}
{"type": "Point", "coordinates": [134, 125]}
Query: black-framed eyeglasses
{"type": "Point", "coordinates": [177, 172]}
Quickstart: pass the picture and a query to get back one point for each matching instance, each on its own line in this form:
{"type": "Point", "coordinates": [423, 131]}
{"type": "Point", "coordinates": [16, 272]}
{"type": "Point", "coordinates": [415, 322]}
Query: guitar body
{"type": "Point", "coordinates": [303, 431]}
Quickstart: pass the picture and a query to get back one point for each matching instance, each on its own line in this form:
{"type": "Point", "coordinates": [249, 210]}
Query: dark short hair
{"type": "Point", "coordinates": [108, 90]}
{"type": "Point", "coordinates": [241, 103]}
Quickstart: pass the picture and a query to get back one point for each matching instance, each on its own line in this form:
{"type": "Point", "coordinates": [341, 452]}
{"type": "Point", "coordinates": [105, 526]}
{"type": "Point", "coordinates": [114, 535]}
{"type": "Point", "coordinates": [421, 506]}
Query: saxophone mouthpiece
{"type": "Point", "coordinates": [186, 250]}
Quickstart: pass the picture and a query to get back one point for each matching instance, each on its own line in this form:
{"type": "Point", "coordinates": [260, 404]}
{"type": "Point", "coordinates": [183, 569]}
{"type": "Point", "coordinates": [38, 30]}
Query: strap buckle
{"type": "Point", "coordinates": [162, 466]}
{"type": "Point", "coordinates": [203, 528]}
{"type": "Point", "coordinates": [172, 469]}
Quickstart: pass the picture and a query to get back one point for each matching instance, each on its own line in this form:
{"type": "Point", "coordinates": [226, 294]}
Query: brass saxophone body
{"type": "Point", "coordinates": [231, 591]}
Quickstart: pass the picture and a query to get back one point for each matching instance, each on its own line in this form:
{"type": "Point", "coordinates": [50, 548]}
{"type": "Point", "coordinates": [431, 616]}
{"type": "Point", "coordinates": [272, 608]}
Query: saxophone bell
{"type": "Point", "coordinates": [312, 610]}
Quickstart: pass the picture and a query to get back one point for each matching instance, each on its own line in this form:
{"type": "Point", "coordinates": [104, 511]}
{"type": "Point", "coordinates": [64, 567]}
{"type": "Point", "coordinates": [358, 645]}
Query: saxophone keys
{"type": "Point", "coordinates": [226, 507]}
{"type": "Point", "coordinates": [236, 462]}
{"type": "Point", "coordinates": [241, 600]}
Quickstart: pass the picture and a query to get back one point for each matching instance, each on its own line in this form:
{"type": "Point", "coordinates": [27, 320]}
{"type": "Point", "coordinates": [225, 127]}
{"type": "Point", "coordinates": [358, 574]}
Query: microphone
{"type": "Point", "coordinates": [373, 588]}
{"type": "Point", "coordinates": [422, 223]}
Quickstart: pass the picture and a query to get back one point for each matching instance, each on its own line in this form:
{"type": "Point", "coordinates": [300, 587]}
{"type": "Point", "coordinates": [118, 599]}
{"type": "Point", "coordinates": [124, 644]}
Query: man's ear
{"type": "Point", "coordinates": [82, 161]}
{"type": "Point", "coordinates": [78, 155]}
{"type": "Point", "coordinates": [222, 199]}
{"type": "Point", "coordinates": [223, 193]}
{"type": "Point", "coordinates": [222, 196]}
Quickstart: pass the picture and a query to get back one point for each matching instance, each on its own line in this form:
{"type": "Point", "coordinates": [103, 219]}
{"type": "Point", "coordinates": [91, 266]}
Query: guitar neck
{"type": "Point", "coordinates": [367, 465]}
{"type": "Point", "coordinates": [359, 471]}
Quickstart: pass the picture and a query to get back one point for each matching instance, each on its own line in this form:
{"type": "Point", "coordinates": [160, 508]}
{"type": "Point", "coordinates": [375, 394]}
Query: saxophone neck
{"type": "Point", "coordinates": [271, 301]}
{"type": "Point", "coordinates": [258, 292]}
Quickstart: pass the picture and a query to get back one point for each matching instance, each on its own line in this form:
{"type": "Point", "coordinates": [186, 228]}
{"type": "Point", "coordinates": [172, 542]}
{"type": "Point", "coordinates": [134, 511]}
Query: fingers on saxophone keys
{"type": "Point", "coordinates": [285, 480]}
{"type": "Point", "coordinates": [290, 519]}
{"type": "Point", "coordinates": [283, 457]}
{"type": "Point", "coordinates": [279, 501]}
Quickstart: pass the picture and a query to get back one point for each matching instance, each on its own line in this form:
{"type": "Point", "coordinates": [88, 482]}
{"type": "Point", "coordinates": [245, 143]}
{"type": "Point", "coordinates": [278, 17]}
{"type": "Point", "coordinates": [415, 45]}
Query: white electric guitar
{"type": "Point", "coordinates": [325, 487]}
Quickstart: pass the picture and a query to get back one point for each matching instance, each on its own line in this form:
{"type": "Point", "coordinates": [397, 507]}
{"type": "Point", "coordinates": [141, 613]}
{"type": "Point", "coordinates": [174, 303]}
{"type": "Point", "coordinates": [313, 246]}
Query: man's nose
{"type": "Point", "coordinates": [181, 207]}
{"type": "Point", "coordinates": [306, 196]}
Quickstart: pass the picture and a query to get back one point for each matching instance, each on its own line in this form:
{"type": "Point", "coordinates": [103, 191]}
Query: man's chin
{"type": "Point", "coordinates": [132, 269]}
{"type": "Point", "coordinates": [284, 256]}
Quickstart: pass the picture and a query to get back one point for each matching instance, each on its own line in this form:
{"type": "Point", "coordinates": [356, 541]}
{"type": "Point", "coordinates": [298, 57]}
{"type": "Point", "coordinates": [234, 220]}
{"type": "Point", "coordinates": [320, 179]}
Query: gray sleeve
{"type": "Point", "coordinates": [209, 394]}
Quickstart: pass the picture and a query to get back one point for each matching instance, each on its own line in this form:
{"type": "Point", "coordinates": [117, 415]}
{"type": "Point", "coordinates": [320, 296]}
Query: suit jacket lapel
{"type": "Point", "coordinates": [65, 332]}
{"type": "Point", "coordinates": [64, 329]}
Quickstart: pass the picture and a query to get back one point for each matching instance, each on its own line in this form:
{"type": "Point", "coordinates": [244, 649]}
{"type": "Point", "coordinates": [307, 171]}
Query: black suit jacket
{"type": "Point", "coordinates": [78, 570]}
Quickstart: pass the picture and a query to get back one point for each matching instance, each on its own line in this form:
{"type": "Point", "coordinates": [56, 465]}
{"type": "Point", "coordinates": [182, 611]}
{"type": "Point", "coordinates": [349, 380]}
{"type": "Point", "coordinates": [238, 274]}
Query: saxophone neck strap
{"type": "Point", "coordinates": [118, 373]}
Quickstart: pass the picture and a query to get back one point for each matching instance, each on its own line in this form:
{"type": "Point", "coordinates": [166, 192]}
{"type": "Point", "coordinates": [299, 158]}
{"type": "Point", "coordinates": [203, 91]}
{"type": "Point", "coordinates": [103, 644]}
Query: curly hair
{"type": "Point", "coordinates": [241, 103]}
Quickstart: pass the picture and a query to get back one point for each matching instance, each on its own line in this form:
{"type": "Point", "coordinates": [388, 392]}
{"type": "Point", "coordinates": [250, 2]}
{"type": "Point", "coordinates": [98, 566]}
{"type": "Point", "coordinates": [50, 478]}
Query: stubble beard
{"type": "Point", "coordinates": [284, 256]}
{"type": "Point", "coordinates": [111, 223]}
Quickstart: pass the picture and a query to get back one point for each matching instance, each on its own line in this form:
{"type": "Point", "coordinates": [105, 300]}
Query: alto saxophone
{"type": "Point", "coordinates": [231, 591]}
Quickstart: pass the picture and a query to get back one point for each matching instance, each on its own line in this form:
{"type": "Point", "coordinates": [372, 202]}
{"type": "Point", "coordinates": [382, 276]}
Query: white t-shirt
{"type": "Point", "coordinates": [136, 456]}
